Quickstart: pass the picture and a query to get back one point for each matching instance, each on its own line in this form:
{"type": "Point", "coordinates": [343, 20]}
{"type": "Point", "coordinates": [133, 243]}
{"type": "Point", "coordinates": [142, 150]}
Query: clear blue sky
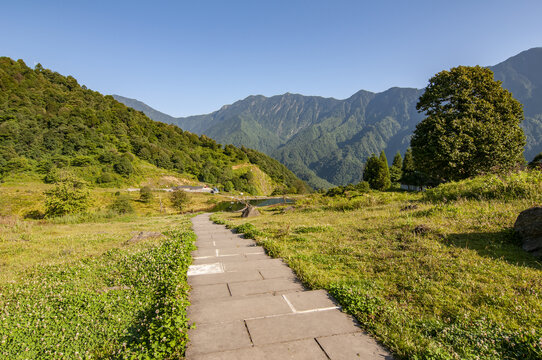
{"type": "Point", "coordinates": [192, 57]}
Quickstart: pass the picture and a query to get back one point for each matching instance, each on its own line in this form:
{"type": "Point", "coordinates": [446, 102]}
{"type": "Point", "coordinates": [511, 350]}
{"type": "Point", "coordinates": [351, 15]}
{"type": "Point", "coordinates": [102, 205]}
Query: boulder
{"type": "Point", "coordinates": [250, 211]}
{"type": "Point", "coordinates": [529, 227]}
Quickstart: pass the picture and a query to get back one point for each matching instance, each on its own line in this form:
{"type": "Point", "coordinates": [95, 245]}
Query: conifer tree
{"type": "Point", "coordinates": [376, 172]}
{"type": "Point", "coordinates": [396, 170]}
{"type": "Point", "coordinates": [408, 168]}
{"type": "Point", "coordinates": [384, 175]}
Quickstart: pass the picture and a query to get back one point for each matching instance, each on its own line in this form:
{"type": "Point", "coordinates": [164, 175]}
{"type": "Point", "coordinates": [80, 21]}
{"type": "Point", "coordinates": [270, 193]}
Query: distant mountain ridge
{"type": "Point", "coordinates": [326, 141]}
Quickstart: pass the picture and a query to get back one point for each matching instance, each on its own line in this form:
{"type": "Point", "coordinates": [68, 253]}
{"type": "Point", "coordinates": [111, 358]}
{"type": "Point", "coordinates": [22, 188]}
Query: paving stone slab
{"type": "Point", "coordinates": [222, 259]}
{"type": "Point", "coordinates": [220, 244]}
{"type": "Point", "coordinates": [300, 326]}
{"type": "Point", "coordinates": [229, 277]}
{"type": "Point", "coordinates": [206, 292]}
{"type": "Point", "coordinates": [203, 269]}
{"type": "Point", "coordinates": [247, 288]}
{"type": "Point", "coordinates": [227, 310]}
{"type": "Point", "coordinates": [253, 264]}
{"type": "Point", "coordinates": [308, 300]}
{"type": "Point", "coordinates": [211, 338]}
{"type": "Point", "coordinates": [277, 272]}
{"type": "Point", "coordinates": [257, 256]}
{"type": "Point", "coordinates": [203, 252]}
{"type": "Point", "coordinates": [242, 250]}
{"type": "Point", "coordinates": [298, 350]}
{"type": "Point", "coordinates": [353, 346]}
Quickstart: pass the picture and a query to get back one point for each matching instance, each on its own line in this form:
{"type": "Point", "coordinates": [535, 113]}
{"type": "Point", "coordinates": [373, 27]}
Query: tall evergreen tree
{"type": "Point", "coordinates": [396, 170]}
{"type": "Point", "coordinates": [408, 168]}
{"type": "Point", "coordinates": [384, 175]}
{"type": "Point", "coordinates": [376, 173]}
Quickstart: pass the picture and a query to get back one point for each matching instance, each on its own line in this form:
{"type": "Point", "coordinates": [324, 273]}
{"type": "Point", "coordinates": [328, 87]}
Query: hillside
{"type": "Point", "coordinates": [326, 141]}
{"type": "Point", "coordinates": [49, 121]}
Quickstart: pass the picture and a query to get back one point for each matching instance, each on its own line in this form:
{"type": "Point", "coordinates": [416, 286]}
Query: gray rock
{"type": "Point", "coordinates": [250, 211]}
{"type": "Point", "coordinates": [529, 227]}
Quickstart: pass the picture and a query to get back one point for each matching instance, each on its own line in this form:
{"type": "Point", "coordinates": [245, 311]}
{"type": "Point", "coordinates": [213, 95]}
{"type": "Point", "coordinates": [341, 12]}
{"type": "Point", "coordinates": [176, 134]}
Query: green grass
{"type": "Point", "coordinates": [431, 280]}
{"type": "Point", "coordinates": [525, 185]}
{"type": "Point", "coordinates": [102, 298]}
{"type": "Point", "coordinates": [20, 199]}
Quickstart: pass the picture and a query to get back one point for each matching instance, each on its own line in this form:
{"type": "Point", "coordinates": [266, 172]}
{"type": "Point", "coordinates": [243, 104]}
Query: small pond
{"type": "Point", "coordinates": [237, 205]}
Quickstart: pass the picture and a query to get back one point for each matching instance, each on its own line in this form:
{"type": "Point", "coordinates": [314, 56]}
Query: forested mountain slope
{"type": "Point", "coordinates": [326, 141]}
{"type": "Point", "coordinates": [49, 121]}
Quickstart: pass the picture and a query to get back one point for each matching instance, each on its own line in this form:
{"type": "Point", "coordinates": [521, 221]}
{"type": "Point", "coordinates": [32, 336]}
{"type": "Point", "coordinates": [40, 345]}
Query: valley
{"type": "Point", "coordinates": [97, 236]}
{"type": "Point", "coordinates": [326, 141]}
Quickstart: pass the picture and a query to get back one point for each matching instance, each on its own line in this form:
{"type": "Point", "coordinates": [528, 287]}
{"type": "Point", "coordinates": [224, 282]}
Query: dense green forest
{"type": "Point", "coordinates": [326, 141]}
{"type": "Point", "coordinates": [48, 121]}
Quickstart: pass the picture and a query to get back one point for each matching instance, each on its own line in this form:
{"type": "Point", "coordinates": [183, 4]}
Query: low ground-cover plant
{"type": "Point", "coordinates": [519, 185]}
{"type": "Point", "coordinates": [127, 303]}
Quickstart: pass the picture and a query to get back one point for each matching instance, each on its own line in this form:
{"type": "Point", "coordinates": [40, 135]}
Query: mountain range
{"type": "Point", "coordinates": [326, 141]}
{"type": "Point", "coordinates": [50, 123]}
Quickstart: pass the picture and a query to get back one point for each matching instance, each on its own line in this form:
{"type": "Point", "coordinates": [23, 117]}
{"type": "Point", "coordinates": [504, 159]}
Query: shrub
{"type": "Point", "coordinates": [122, 205]}
{"type": "Point", "coordinates": [179, 199]}
{"type": "Point", "coordinates": [145, 194]}
{"type": "Point", "coordinates": [123, 166]}
{"type": "Point", "coordinates": [228, 186]}
{"type": "Point", "coordinates": [34, 215]}
{"type": "Point", "coordinates": [249, 230]}
{"type": "Point", "coordinates": [105, 178]}
{"type": "Point", "coordinates": [70, 195]}
{"type": "Point", "coordinates": [81, 161]}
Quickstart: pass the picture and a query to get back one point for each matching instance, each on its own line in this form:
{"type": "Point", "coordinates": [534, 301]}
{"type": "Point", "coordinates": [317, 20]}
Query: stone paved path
{"type": "Point", "coordinates": [247, 305]}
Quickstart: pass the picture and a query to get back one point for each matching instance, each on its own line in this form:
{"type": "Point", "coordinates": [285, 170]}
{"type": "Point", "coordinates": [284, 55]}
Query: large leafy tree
{"type": "Point", "coordinates": [472, 125]}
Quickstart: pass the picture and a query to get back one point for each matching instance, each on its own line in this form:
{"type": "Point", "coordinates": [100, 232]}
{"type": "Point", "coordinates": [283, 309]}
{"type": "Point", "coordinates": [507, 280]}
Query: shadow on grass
{"type": "Point", "coordinates": [503, 245]}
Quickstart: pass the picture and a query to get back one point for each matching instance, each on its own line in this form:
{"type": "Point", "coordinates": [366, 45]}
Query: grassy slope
{"type": "Point", "coordinates": [441, 281]}
{"type": "Point", "coordinates": [262, 181]}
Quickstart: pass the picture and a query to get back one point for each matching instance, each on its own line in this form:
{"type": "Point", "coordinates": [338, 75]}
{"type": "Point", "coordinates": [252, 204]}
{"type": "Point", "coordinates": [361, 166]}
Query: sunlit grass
{"type": "Point", "coordinates": [430, 280]}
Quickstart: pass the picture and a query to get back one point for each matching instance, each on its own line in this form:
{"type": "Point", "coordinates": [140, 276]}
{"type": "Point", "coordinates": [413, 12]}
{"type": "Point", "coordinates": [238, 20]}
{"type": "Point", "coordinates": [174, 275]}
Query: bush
{"type": "Point", "coordinates": [521, 185]}
{"type": "Point", "coordinates": [105, 178]}
{"type": "Point", "coordinates": [123, 166]}
{"type": "Point", "coordinates": [249, 230]}
{"type": "Point", "coordinates": [122, 205]}
{"type": "Point", "coordinates": [537, 162]}
{"type": "Point", "coordinates": [34, 215]}
{"type": "Point", "coordinates": [52, 175]}
{"type": "Point", "coordinates": [228, 186]}
{"type": "Point", "coordinates": [145, 194]}
{"type": "Point", "coordinates": [69, 196]}
{"type": "Point", "coordinates": [81, 161]}
{"type": "Point", "coordinates": [179, 199]}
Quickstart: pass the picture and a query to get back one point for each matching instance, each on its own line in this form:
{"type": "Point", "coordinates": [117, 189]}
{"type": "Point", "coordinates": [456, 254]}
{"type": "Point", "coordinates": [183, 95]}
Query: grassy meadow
{"type": "Point", "coordinates": [438, 275]}
{"type": "Point", "coordinates": [81, 287]}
